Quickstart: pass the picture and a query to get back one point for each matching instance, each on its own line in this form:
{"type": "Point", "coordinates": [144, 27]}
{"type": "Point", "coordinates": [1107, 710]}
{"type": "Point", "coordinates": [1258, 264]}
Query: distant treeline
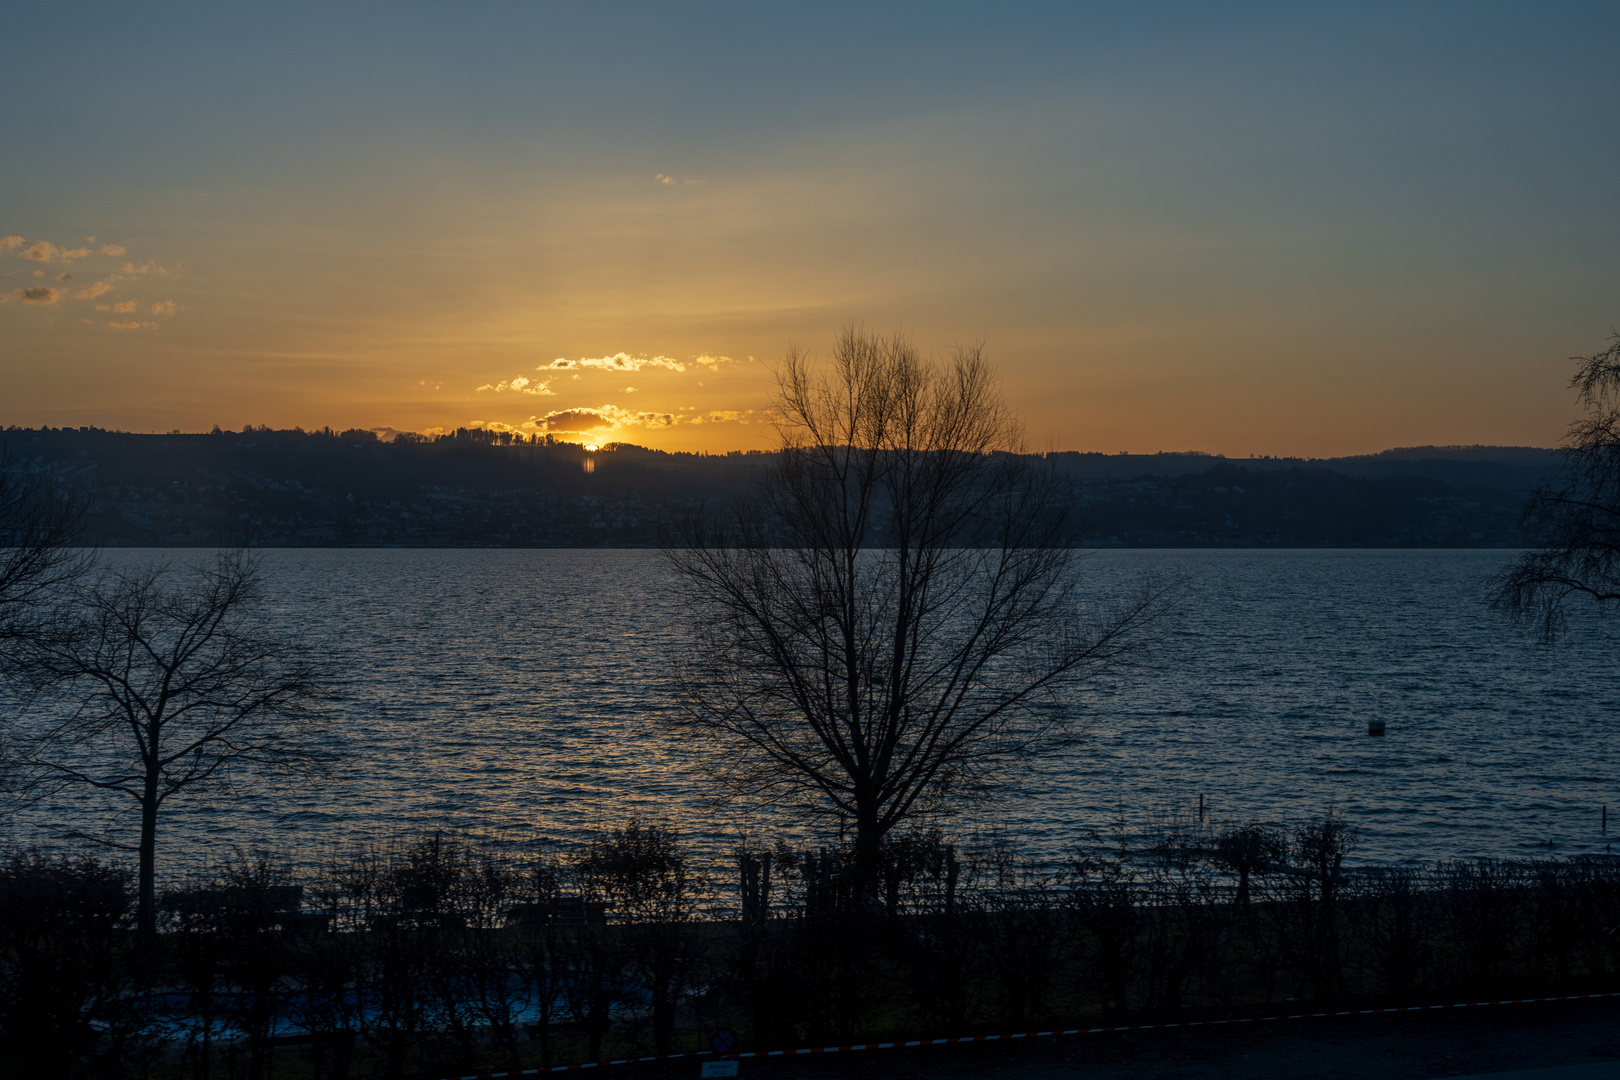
{"type": "Point", "coordinates": [440, 956]}
{"type": "Point", "coordinates": [473, 487]}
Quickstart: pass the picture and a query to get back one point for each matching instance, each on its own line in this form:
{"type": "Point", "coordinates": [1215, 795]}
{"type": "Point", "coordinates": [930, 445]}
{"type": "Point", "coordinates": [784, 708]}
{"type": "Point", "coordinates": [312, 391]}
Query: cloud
{"type": "Point", "coordinates": [605, 418]}
{"type": "Point", "coordinates": [131, 324]}
{"type": "Point", "coordinates": [64, 276]}
{"type": "Point", "coordinates": [45, 251]}
{"type": "Point", "coordinates": [617, 362]}
{"type": "Point", "coordinates": [713, 362]}
{"type": "Point", "coordinates": [570, 420]}
{"type": "Point", "coordinates": [41, 295]}
{"type": "Point", "coordinates": [90, 292]}
{"type": "Point", "coordinates": [520, 385]}
{"type": "Point", "coordinates": [165, 307]}
{"type": "Point", "coordinates": [721, 416]}
{"type": "Point", "coordinates": [145, 268]}
{"type": "Point", "coordinates": [622, 361]}
{"type": "Point", "coordinates": [124, 306]}
{"type": "Point", "coordinates": [386, 434]}
{"type": "Point", "coordinates": [669, 181]}
{"type": "Point", "coordinates": [665, 180]}
{"type": "Point", "coordinates": [613, 418]}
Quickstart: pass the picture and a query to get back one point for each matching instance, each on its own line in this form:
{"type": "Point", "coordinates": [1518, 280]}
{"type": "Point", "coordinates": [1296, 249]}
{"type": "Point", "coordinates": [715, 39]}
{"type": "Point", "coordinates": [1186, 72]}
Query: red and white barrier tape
{"type": "Point", "coordinates": [1023, 1035]}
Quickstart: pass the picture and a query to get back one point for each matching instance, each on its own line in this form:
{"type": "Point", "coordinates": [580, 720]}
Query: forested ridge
{"type": "Point", "coordinates": [471, 487]}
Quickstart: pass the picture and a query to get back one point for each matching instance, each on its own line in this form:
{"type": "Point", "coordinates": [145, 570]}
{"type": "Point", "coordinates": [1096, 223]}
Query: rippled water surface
{"type": "Point", "coordinates": [519, 693]}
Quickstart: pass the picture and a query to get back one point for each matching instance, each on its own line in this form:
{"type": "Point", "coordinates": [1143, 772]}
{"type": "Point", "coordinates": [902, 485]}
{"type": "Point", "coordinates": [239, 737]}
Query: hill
{"type": "Point", "coordinates": [474, 488]}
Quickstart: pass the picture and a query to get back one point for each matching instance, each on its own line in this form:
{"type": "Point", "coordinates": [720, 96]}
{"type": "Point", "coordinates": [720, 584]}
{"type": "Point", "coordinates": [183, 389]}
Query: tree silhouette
{"type": "Point", "coordinates": [169, 686]}
{"type": "Point", "coordinates": [894, 617]}
{"type": "Point", "coordinates": [38, 522]}
{"type": "Point", "coordinates": [1579, 519]}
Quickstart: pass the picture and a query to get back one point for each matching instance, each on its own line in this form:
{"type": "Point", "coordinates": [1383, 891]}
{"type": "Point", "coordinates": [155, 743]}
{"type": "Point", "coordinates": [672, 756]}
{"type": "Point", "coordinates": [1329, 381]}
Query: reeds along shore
{"type": "Point", "coordinates": [441, 955]}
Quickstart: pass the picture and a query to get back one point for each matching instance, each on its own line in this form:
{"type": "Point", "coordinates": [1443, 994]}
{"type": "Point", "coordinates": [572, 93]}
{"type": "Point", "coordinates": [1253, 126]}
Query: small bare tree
{"type": "Point", "coordinates": [1579, 519]}
{"type": "Point", "coordinates": [894, 617]}
{"type": "Point", "coordinates": [38, 523]}
{"type": "Point", "coordinates": [168, 686]}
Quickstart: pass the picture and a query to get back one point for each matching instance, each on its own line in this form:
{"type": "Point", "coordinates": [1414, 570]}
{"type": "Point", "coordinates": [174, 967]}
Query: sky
{"type": "Point", "coordinates": [1297, 229]}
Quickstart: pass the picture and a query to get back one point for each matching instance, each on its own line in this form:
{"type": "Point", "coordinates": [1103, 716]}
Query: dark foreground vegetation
{"type": "Point", "coordinates": [440, 955]}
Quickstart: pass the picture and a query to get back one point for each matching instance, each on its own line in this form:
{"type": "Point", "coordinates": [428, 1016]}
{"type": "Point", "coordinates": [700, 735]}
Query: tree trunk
{"type": "Point", "coordinates": [146, 906]}
{"type": "Point", "coordinates": [868, 856]}
{"type": "Point", "coordinates": [663, 1022]}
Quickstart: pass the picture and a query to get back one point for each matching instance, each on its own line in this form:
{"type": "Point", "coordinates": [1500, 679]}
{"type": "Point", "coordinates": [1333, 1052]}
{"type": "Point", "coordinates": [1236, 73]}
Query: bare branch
{"type": "Point", "coordinates": [167, 682]}
{"type": "Point", "coordinates": [896, 617]}
{"type": "Point", "coordinates": [39, 521]}
{"type": "Point", "coordinates": [1579, 520]}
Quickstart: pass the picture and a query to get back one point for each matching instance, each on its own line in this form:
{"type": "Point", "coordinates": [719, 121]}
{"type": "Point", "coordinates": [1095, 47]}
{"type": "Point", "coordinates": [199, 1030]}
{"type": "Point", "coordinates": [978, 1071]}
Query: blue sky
{"type": "Point", "coordinates": [1245, 229]}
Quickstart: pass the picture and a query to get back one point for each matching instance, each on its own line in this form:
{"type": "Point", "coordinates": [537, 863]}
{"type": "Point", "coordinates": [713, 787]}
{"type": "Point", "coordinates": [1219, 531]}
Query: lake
{"type": "Point", "coordinates": [518, 694]}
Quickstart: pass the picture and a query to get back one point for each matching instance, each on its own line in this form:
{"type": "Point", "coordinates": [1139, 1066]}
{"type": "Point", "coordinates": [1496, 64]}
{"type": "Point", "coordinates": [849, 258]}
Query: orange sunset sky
{"type": "Point", "coordinates": [1260, 229]}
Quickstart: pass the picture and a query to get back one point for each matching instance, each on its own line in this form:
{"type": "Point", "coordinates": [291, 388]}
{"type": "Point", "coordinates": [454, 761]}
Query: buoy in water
{"type": "Point", "coordinates": [1375, 727]}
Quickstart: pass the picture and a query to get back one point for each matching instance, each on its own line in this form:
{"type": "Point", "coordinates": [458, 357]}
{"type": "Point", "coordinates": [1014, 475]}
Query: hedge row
{"type": "Point", "coordinates": [438, 955]}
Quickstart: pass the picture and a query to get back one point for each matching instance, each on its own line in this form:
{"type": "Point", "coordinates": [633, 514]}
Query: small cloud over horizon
{"type": "Point", "coordinates": [612, 418]}
{"type": "Point", "coordinates": [620, 361]}
{"type": "Point", "coordinates": [721, 416]}
{"type": "Point", "coordinates": [45, 251]}
{"type": "Point", "coordinates": [519, 385]}
{"type": "Point", "coordinates": [604, 418]}
{"type": "Point", "coordinates": [634, 362]}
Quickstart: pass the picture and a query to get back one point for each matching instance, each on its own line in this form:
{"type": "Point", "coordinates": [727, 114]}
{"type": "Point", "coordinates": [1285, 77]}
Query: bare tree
{"type": "Point", "coordinates": [168, 686]}
{"type": "Point", "coordinates": [894, 617]}
{"type": "Point", "coordinates": [38, 523]}
{"type": "Point", "coordinates": [1579, 519]}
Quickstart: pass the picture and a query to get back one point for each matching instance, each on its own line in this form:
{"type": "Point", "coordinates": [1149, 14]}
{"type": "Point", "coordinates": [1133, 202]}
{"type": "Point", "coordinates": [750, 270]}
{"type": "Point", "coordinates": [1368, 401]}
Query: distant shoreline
{"type": "Point", "coordinates": [474, 489]}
